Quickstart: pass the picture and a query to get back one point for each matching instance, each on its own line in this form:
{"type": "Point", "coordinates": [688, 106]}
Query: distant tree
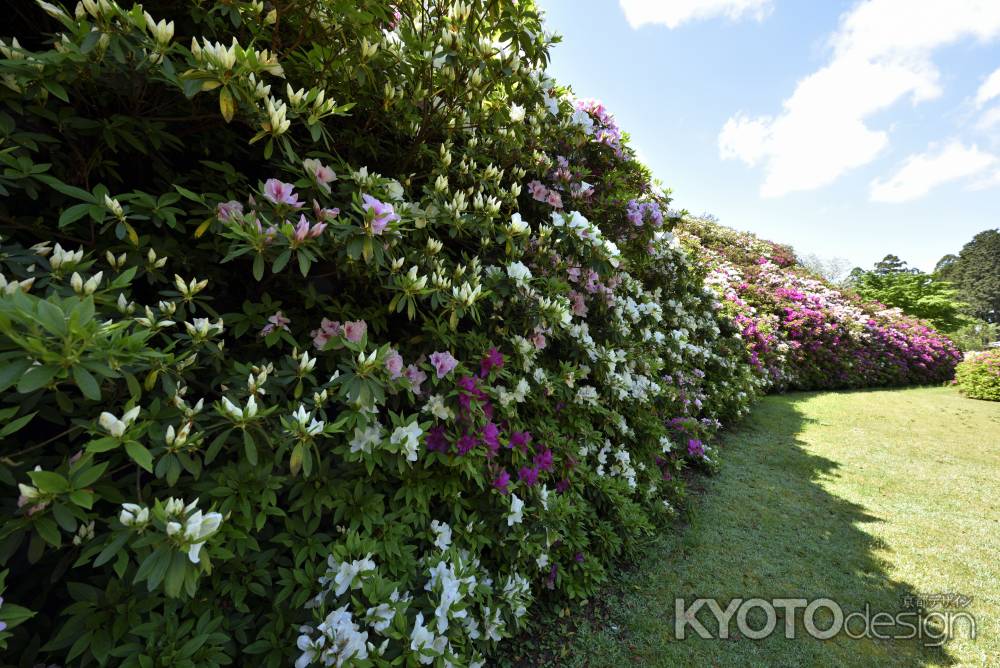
{"type": "Point", "coordinates": [977, 335]}
{"type": "Point", "coordinates": [854, 276]}
{"type": "Point", "coordinates": [976, 273]}
{"type": "Point", "coordinates": [946, 267]}
{"type": "Point", "coordinates": [834, 269]}
{"type": "Point", "coordinates": [916, 293]}
{"type": "Point", "coordinates": [891, 264]}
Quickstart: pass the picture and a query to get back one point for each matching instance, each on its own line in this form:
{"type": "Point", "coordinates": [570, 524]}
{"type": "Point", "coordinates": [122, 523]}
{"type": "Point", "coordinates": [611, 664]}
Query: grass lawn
{"type": "Point", "coordinates": [860, 497]}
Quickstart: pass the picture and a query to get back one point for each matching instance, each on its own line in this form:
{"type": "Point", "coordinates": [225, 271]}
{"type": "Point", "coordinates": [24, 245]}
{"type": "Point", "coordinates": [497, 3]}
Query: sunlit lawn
{"type": "Point", "coordinates": [861, 497]}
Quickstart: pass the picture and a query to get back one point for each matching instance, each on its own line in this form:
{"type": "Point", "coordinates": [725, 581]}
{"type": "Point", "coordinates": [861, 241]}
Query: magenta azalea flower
{"type": "Point", "coordinates": [492, 360]}
{"type": "Point", "coordinates": [520, 440]}
{"type": "Point", "coordinates": [695, 448]}
{"type": "Point", "coordinates": [466, 443]}
{"type": "Point", "coordinates": [543, 459]}
{"type": "Point", "coordinates": [529, 476]}
{"type": "Point", "coordinates": [491, 436]}
{"type": "Point", "coordinates": [502, 481]}
{"type": "Point", "coordinates": [436, 440]}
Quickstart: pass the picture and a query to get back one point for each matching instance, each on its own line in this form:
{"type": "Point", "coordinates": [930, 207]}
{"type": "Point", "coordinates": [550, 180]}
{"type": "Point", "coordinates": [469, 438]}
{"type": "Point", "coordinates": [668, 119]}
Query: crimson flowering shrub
{"type": "Point", "coordinates": [332, 333]}
{"type": "Point", "coordinates": [804, 334]}
{"type": "Point", "coordinates": [978, 375]}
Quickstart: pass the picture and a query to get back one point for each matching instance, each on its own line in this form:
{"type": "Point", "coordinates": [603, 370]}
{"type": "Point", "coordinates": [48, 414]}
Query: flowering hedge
{"type": "Point", "coordinates": [803, 333]}
{"type": "Point", "coordinates": [978, 375]}
{"type": "Point", "coordinates": [332, 333]}
{"type": "Point", "coordinates": [337, 333]}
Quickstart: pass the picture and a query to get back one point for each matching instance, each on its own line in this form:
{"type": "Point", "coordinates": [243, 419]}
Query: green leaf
{"type": "Point", "coordinates": [227, 105]}
{"type": "Point", "coordinates": [64, 517]}
{"type": "Point", "coordinates": [281, 261]}
{"type": "Point", "coordinates": [49, 481]}
{"type": "Point", "coordinates": [103, 444]}
{"type": "Point", "coordinates": [82, 498]}
{"type": "Point", "coordinates": [175, 575]}
{"type": "Point", "coordinates": [88, 476]}
{"type": "Point", "coordinates": [249, 448]}
{"type": "Point", "coordinates": [12, 615]}
{"type": "Point", "coordinates": [10, 372]}
{"type": "Point", "coordinates": [48, 530]}
{"type": "Point", "coordinates": [87, 383]}
{"type": "Point", "coordinates": [139, 454]}
{"type": "Point", "coordinates": [194, 197]}
{"type": "Point", "coordinates": [67, 189]}
{"type": "Point", "coordinates": [258, 267]}
{"type": "Point", "coordinates": [52, 318]}
{"type": "Point", "coordinates": [36, 377]}
{"type": "Point", "coordinates": [73, 214]}
{"type": "Point", "coordinates": [213, 449]}
{"type": "Point", "coordinates": [56, 89]}
{"type": "Point", "coordinates": [15, 425]}
{"type": "Point", "coordinates": [111, 549]}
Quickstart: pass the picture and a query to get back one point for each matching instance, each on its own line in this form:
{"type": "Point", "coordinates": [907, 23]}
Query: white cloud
{"type": "Point", "coordinates": [672, 13]}
{"type": "Point", "coordinates": [881, 54]}
{"type": "Point", "coordinates": [989, 89]}
{"type": "Point", "coordinates": [922, 172]}
{"type": "Point", "coordinates": [989, 119]}
{"type": "Point", "coordinates": [990, 181]}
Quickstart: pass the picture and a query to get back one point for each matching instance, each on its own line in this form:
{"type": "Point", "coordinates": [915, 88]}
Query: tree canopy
{"type": "Point", "coordinates": [922, 295]}
{"type": "Point", "coordinates": [976, 274]}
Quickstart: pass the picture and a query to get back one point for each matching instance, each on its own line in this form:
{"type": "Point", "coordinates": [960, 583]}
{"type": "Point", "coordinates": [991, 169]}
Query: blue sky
{"type": "Point", "coordinates": [847, 129]}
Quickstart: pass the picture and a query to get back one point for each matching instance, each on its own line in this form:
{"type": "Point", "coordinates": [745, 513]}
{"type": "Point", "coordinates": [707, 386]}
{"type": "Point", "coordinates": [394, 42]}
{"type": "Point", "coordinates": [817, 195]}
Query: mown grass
{"type": "Point", "coordinates": [861, 497]}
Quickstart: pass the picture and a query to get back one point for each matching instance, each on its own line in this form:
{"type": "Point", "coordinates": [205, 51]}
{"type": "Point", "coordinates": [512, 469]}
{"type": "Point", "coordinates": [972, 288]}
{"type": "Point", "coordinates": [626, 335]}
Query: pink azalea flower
{"type": "Point", "coordinates": [538, 338]}
{"type": "Point", "coordinates": [301, 229]}
{"type": "Point", "coordinates": [579, 306]}
{"type": "Point", "coordinates": [554, 199]}
{"type": "Point", "coordinates": [394, 364]}
{"type": "Point", "coordinates": [226, 210]}
{"type": "Point", "coordinates": [382, 211]}
{"type": "Point", "coordinates": [323, 174]}
{"type": "Point", "coordinates": [354, 330]}
{"type": "Point", "coordinates": [281, 193]}
{"type": "Point", "coordinates": [538, 191]}
{"type": "Point", "coordinates": [327, 330]}
{"type": "Point", "coordinates": [324, 215]}
{"type": "Point", "coordinates": [276, 321]}
{"type": "Point", "coordinates": [416, 376]}
{"type": "Point", "coordinates": [443, 363]}
{"type": "Point", "coordinates": [316, 230]}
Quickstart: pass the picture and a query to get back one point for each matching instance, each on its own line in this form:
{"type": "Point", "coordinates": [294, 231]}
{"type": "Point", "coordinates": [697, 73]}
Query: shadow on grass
{"type": "Point", "coordinates": [764, 528]}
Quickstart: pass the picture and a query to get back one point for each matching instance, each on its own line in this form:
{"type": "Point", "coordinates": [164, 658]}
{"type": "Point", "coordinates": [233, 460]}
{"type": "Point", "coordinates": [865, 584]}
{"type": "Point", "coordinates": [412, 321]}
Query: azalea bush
{"type": "Point", "coordinates": [805, 334]}
{"type": "Point", "coordinates": [978, 375]}
{"type": "Point", "coordinates": [333, 333]}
